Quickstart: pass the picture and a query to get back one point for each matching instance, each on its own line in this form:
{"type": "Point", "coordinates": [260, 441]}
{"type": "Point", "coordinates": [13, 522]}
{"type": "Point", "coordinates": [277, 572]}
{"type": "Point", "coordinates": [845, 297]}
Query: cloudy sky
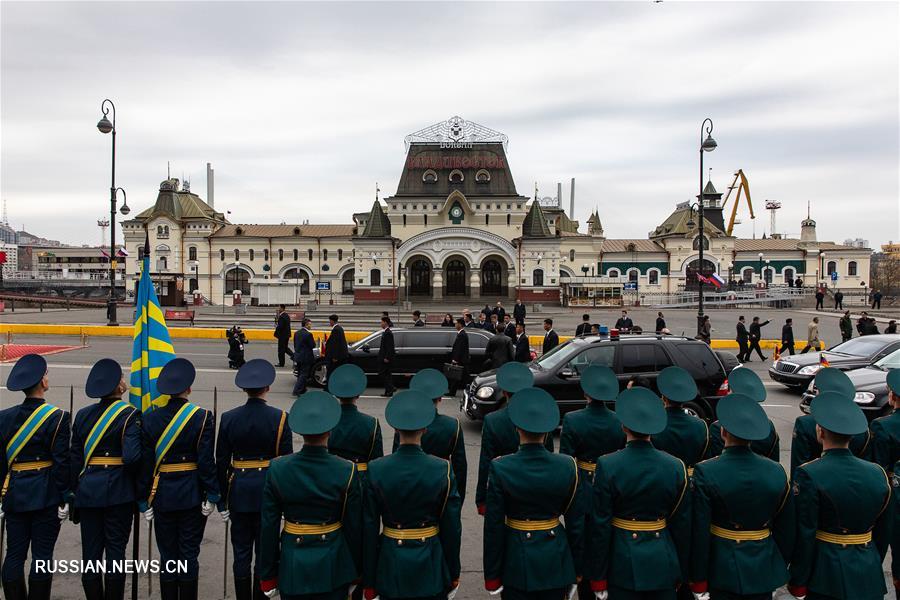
{"type": "Point", "coordinates": [302, 107]}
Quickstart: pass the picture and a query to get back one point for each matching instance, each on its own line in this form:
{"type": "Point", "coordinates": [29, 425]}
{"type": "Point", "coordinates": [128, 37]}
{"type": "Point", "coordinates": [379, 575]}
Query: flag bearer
{"type": "Point", "coordinates": [250, 436]}
{"type": "Point", "coordinates": [747, 383]}
{"type": "Point", "coordinates": [743, 513]}
{"type": "Point", "coordinates": [317, 552]}
{"type": "Point", "coordinates": [357, 437]}
{"type": "Point", "coordinates": [528, 553]}
{"type": "Point", "coordinates": [105, 460]}
{"type": "Point", "coordinates": [178, 486]}
{"type": "Point", "coordinates": [34, 468]}
{"type": "Point", "coordinates": [843, 521]}
{"type": "Point", "coordinates": [411, 519]}
{"type": "Point", "coordinates": [685, 436]}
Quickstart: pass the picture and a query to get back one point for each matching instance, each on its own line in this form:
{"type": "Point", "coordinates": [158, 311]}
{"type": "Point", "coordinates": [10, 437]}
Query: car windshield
{"type": "Point", "coordinates": [859, 347]}
{"type": "Point", "coordinates": [366, 340]}
{"type": "Point", "coordinates": [557, 356]}
{"type": "Point", "coordinates": [891, 361]}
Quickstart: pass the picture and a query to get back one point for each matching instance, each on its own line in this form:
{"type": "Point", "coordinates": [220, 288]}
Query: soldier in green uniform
{"type": "Point", "coordinates": [886, 453]}
{"type": "Point", "coordinates": [685, 436]}
{"type": "Point", "coordinates": [843, 525]}
{"type": "Point", "coordinates": [411, 519]}
{"type": "Point", "coordinates": [498, 434]}
{"type": "Point", "coordinates": [444, 437]}
{"type": "Point", "coordinates": [316, 555]}
{"type": "Point", "coordinates": [358, 436]}
{"type": "Point", "coordinates": [528, 554]}
{"type": "Point", "coordinates": [747, 383]}
{"type": "Point", "coordinates": [640, 525]}
{"type": "Point", "coordinates": [743, 514]}
{"type": "Point", "coordinates": [805, 445]}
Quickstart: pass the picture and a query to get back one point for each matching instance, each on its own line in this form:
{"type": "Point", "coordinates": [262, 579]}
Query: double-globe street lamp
{"type": "Point", "coordinates": [706, 145]}
{"type": "Point", "coordinates": [105, 126]}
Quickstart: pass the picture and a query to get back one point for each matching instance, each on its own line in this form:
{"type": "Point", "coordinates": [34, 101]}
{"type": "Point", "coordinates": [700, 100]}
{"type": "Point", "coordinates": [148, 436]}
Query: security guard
{"type": "Point", "coordinates": [411, 520]}
{"type": "Point", "coordinates": [250, 436]}
{"type": "Point", "coordinates": [843, 525]}
{"type": "Point", "coordinates": [747, 383]}
{"type": "Point", "coordinates": [527, 551]}
{"type": "Point", "coordinates": [444, 437]}
{"type": "Point", "coordinates": [34, 469]}
{"type": "Point", "coordinates": [358, 436]}
{"type": "Point", "coordinates": [498, 434]}
{"type": "Point", "coordinates": [805, 445]}
{"type": "Point", "coordinates": [594, 430]}
{"type": "Point", "coordinates": [886, 453]}
{"type": "Point", "coordinates": [685, 436]}
{"type": "Point", "coordinates": [743, 514]}
{"type": "Point", "coordinates": [178, 485]}
{"type": "Point", "coordinates": [639, 528]}
{"type": "Point", "coordinates": [317, 553]}
{"type": "Point", "coordinates": [105, 458]}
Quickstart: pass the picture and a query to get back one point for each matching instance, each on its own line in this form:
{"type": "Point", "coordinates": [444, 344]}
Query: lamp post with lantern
{"type": "Point", "coordinates": [706, 145]}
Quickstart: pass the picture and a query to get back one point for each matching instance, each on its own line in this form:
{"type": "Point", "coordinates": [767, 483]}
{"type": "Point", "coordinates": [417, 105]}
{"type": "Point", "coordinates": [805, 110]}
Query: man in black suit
{"type": "Point", "coordinates": [386, 353]}
{"type": "Point", "coordinates": [459, 354]}
{"type": "Point", "coordinates": [283, 334]}
{"type": "Point", "coordinates": [551, 339]}
{"type": "Point", "coordinates": [519, 311]}
{"type": "Point", "coordinates": [499, 349]}
{"type": "Point", "coordinates": [509, 328]}
{"type": "Point", "coordinates": [660, 322]}
{"type": "Point", "coordinates": [523, 351]}
{"type": "Point", "coordinates": [336, 351]}
{"type": "Point", "coordinates": [787, 337]}
{"type": "Point", "coordinates": [499, 311]}
{"type": "Point", "coordinates": [624, 322]}
{"type": "Point", "coordinates": [742, 338]}
{"type": "Point", "coordinates": [304, 344]}
{"type": "Point", "coordinates": [755, 336]}
{"type": "Point", "coordinates": [584, 328]}
{"type": "Point", "coordinates": [417, 319]}
{"type": "Point", "coordinates": [468, 321]}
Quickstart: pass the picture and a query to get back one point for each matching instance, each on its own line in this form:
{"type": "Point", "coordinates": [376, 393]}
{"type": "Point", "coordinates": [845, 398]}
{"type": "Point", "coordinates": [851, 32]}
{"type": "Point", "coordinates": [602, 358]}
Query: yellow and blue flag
{"type": "Point", "coordinates": [152, 347]}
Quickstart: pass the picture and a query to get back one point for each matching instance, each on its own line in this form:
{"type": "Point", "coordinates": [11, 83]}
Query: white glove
{"type": "Point", "coordinates": [1, 512]}
{"type": "Point", "coordinates": [497, 592]}
{"type": "Point", "coordinates": [148, 515]}
{"type": "Point", "coordinates": [271, 593]}
{"type": "Point", "coordinates": [572, 589]}
{"type": "Point", "coordinates": [206, 508]}
{"type": "Point", "coordinates": [63, 512]}
{"type": "Point", "coordinates": [701, 595]}
{"type": "Point", "coordinates": [604, 595]}
{"type": "Point", "coordinates": [800, 597]}
{"type": "Point", "coordinates": [452, 593]}
{"type": "Point", "coordinates": [226, 515]}
{"type": "Point", "coordinates": [350, 590]}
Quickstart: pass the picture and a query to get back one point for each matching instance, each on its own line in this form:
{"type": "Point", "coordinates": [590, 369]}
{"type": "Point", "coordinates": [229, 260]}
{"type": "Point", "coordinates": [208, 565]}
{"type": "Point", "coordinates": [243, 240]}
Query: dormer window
{"type": "Point", "coordinates": [296, 231]}
{"type": "Point", "coordinates": [482, 176]}
{"type": "Point", "coordinates": [456, 176]}
{"type": "Point", "coordinates": [429, 176]}
{"type": "Point", "coordinates": [239, 231]}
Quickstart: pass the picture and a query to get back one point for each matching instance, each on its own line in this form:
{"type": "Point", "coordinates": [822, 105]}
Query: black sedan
{"type": "Point", "coordinates": [871, 387]}
{"type": "Point", "coordinates": [797, 371]}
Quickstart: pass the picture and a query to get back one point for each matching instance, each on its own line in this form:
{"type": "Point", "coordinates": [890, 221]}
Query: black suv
{"type": "Point", "coordinates": [417, 348]}
{"type": "Point", "coordinates": [559, 371]}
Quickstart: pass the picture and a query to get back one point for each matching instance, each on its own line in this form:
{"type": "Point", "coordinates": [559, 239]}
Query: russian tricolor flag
{"type": "Point", "coordinates": [716, 280]}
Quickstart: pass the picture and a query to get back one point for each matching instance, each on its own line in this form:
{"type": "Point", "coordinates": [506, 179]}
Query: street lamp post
{"type": "Point", "coordinates": [767, 274]}
{"type": "Point", "coordinates": [759, 266]}
{"type": "Point", "coordinates": [706, 145]}
{"type": "Point", "coordinates": [105, 126]}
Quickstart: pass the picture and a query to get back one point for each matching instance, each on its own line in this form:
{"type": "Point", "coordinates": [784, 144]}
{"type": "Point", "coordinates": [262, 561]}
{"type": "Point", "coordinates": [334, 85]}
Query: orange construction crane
{"type": "Point", "coordinates": [739, 186]}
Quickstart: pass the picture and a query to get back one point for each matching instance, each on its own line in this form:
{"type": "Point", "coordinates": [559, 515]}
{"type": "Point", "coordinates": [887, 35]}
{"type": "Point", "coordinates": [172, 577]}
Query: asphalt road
{"type": "Point", "coordinates": [69, 370]}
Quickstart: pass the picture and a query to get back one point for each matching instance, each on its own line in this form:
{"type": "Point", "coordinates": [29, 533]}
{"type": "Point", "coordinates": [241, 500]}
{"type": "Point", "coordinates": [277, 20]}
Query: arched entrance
{"type": "Point", "coordinates": [493, 278]}
{"type": "Point", "coordinates": [300, 279]}
{"type": "Point", "coordinates": [693, 268]}
{"type": "Point", "coordinates": [237, 279]}
{"type": "Point", "coordinates": [455, 278]}
{"type": "Point", "coordinates": [419, 277]}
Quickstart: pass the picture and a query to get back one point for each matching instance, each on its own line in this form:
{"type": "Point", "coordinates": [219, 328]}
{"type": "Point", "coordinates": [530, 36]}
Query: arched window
{"type": "Point", "coordinates": [237, 279]}
{"type": "Point", "coordinates": [300, 279]}
{"type": "Point", "coordinates": [340, 254]}
{"type": "Point", "coordinates": [252, 254]}
{"type": "Point", "coordinates": [162, 263]}
{"type": "Point", "coordinates": [832, 267]}
{"type": "Point", "coordinates": [237, 254]}
{"type": "Point", "coordinates": [192, 285]}
{"type": "Point", "coordinates": [788, 274]}
{"type": "Point", "coordinates": [347, 282]}
{"type": "Point", "coordinates": [653, 277]}
{"type": "Point", "coordinates": [747, 274]}
{"type": "Point", "coordinates": [309, 252]}
{"type": "Point", "coordinates": [697, 243]}
{"type": "Point", "coordinates": [166, 231]}
{"type": "Point", "coordinates": [537, 278]}
{"type": "Point", "coordinates": [222, 255]}
{"type": "Point", "coordinates": [325, 254]}
{"type": "Point", "coordinates": [281, 254]}
{"type": "Point", "coordinates": [159, 231]}
{"type": "Point", "coordinates": [266, 254]}
{"type": "Point", "coordinates": [572, 255]}
{"type": "Point", "coordinates": [192, 253]}
{"type": "Point", "coordinates": [613, 273]}
{"type": "Point", "coordinates": [851, 268]}
{"type": "Point", "coordinates": [296, 254]}
{"type": "Point", "coordinates": [375, 277]}
{"type": "Point", "coordinates": [456, 176]}
{"type": "Point", "coordinates": [632, 275]}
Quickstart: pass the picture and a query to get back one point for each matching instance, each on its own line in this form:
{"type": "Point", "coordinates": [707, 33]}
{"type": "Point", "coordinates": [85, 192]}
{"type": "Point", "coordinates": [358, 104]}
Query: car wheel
{"type": "Point", "coordinates": [320, 373]}
{"type": "Point", "coordinates": [694, 409]}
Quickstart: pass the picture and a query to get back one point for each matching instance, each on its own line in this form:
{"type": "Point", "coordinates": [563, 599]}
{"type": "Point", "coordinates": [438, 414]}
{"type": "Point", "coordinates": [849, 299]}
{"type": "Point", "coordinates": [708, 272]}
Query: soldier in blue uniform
{"type": "Point", "coordinates": [250, 436]}
{"type": "Point", "coordinates": [105, 460]}
{"type": "Point", "coordinates": [411, 515]}
{"type": "Point", "coordinates": [357, 437]}
{"type": "Point", "coordinates": [747, 383]}
{"type": "Point", "coordinates": [444, 437]}
{"type": "Point", "coordinates": [498, 434]}
{"type": "Point", "coordinates": [178, 486]}
{"type": "Point", "coordinates": [528, 553]}
{"type": "Point", "coordinates": [685, 437]}
{"type": "Point", "coordinates": [34, 468]}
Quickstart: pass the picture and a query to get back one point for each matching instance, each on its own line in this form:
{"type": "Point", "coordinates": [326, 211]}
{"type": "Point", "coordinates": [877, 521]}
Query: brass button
{"type": "Point", "coordinates": [657, 534]}
{"type": "Point", "coordinates": [324, 537]}
{"type": "Point", "coordinates": [298, 540]}
{"type": "Point", "coordinates": [634, 536]}
{"type": "Point", "coordinates": [399, 542]}
{"type": "Point", "coordinates": [528, 535]}
{"type": "Point", "coordinates": [552, 533]}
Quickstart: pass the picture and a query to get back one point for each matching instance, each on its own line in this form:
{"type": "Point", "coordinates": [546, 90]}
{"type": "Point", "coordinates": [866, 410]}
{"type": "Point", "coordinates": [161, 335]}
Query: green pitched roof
{"type": "Point", "coordinates": [378, 224]}
{"type": "Point", "coordinates": [180, 204]}
{"type": "Point", "coordinates": [535, 225]}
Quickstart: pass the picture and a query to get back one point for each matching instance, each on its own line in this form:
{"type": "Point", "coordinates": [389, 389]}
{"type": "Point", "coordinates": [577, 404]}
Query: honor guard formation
{"type": "Point", "coordinates": [642, 502]}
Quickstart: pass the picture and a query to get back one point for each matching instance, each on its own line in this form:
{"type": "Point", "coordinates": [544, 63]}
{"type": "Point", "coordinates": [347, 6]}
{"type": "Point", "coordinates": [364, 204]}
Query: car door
{"type": "Point", "coordinates": [641, 362]}
{"type": "Point", "coordinates": [565, 384]}
{"type": "Point", "coordinates": [477, 346]}
{"type": "Point", "coordinates": [366, 355]}
{"type": "Point", "coordinates": [417, 349]}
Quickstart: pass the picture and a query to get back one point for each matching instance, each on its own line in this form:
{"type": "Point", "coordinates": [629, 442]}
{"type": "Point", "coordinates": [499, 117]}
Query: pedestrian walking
{"type": "Point", "coordinates": [178, 487]}
{"type": "Point", "coordinates": [846, 325]}
{"type": "Point", "coordinates": [755, 337]}
{"type": "Point", "coordinates": [35, 473]}
{"type": "Point", "coordinates": [283, 334]}
{"type": "Point", "coordinates": [876, 299]}
{"type": "Point", "coordinates": [685, 436]}
{"type": "Point", "coordinates": [357, 437]}
{"type": "Point", "coordinates": [105, 454]}
{"type": "Point", "coordinates": [519, 311]}
{"type": "Point", "coordinates": [317, 552]}
{"type": "Point", "coordinates": [411, 519]}
{"type": "Point", "coordinates": [551, 338]}
{"type": "Point", "coordinates": [459, 356]}
{"type": "Point", "coordinates": [660, 322]}
{"type": "Point", "coordinates": [787, 337]}
{"type": "Point", "coordinates": [417, 319]}
{"type": "Point", "coordinates": [584, 328]}
{"type": "Point", "coordinates": [236, 340]}
{"type": "Point", "coordinates": [742, 339]}
{"type": "Point", "coordinates": [336, 350]}
{"type": "Point", "coordinates": [705, 332]}
{"type": "Point", "coordinates": [838, 300]}
{"type": "Point", "coordinates": [304, 346]}
{"type": "Point", "coordinates": [528, 552]}
{"type": "Point", "coordinates": [745, 382]}
{"type": "Point", "coordinates": [499, 349]}
{"type": "Point", "coordinates": [812, 336]}
{"type": "Point", "coordinates": [250, 437]}
{"type": "Point", "coordinates": [820, 298]}
{"type": "Point", "coordinates": [498, 434]}
{"type": "Point", "coordinates": [386, 355]}
{"type": "Point", "coordinates": [641, 510]}
{"type": "Point", "coordinates": [523, 350]}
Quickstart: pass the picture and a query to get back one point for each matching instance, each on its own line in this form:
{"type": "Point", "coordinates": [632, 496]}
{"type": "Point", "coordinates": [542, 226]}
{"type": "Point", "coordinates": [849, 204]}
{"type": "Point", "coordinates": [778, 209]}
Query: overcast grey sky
{"type": "Point", "coordinates": [302, 107]}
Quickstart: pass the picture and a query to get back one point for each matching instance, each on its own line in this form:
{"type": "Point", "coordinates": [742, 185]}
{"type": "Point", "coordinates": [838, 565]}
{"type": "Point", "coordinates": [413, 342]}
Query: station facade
{"type": "Point", "coordinates": [457, 228]}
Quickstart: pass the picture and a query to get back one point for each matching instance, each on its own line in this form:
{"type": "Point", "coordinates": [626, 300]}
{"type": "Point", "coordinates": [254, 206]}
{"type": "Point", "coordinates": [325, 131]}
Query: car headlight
{"type": "Point", "coordinates": [485, 392]}
{"type": "Point", "coordinates": [863, 397]}
{"type": "Point", "coordinates": [810, 370]}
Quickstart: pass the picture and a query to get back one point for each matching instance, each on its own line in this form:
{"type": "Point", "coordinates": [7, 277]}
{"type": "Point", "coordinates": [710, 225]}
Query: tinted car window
{"type": "Point", "coordinates": [426, 339]}
{"type": "Point", "coordinates": [557, 356]}
{"type": "Point", "coordinates": [662, 359]}
{"type": "Point", "coordinates": [860, 347]}
{"type": "Point", "coordinates": [638, 358]}
{"type": "Point", "coordinates": [603, 355]}
{"type": "Point", "coordinates": [701, 362]}
{"type": "Point", "coordinates": [373, 341]}
{"type": "Point", "coordinates": [477, 340]}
